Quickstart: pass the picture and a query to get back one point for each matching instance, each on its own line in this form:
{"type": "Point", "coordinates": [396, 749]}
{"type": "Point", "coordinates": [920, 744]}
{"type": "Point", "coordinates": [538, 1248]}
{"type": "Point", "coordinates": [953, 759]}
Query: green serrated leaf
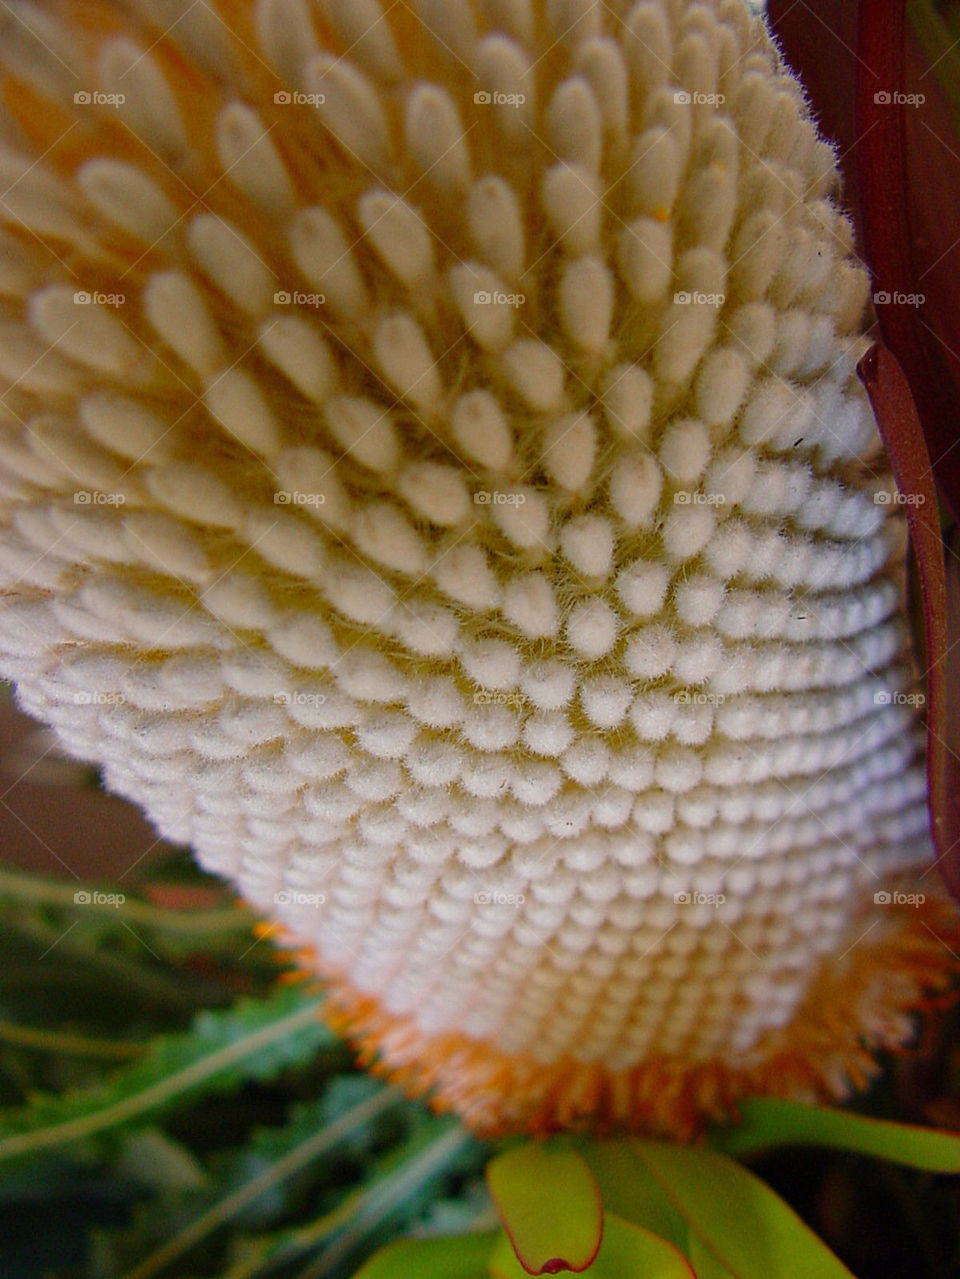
{"type": "Point", "coordinates": [255, 1039]}
{"type": "Point", "coordinates": [466, 1212]}
{"type": "Point", "coordinates": [128, 966]}
{"type": "Point", "coordinates": [251, 1178]}
{"type": "Point", "coordinates": [403, 1193]}
{"type": "Point", "coordinates": [550, 1205]}
{"type": "Point", "coordinates": [258, 1171]}
{"type": "Point", "coordinates": [395, 1191]}
{"type": "Point", "coordinates": [627, 1252]}
{"type": "Point", "coordinates": [461, 1257]}
{"type": "Point", "coordinates": [769, 1121]}
{"type": "Point", "coordinates": [736, 1217]}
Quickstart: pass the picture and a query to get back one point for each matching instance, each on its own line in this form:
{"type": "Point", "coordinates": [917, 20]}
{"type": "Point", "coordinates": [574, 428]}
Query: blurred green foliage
{"type": "Point", "coordinates": [172, 1106]}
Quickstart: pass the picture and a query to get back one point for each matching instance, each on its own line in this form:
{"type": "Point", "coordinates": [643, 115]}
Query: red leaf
{"type": "Point", "coordinates": [866, 69]}
{"type": "Point", "coordinates": [909, 199]}
{"type": "Point", "coordinates": [901, 165]}
{"type": "Point", "coordinates": [899, 427]}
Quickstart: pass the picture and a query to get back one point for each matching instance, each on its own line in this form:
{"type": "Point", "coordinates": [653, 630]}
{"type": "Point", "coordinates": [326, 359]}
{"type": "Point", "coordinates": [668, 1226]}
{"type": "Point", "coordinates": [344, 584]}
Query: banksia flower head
{"type": "Point", "coordinates": [436, 486]}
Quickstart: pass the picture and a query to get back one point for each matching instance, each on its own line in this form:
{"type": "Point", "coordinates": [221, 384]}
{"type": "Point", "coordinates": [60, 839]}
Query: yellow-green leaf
{"type": "Point", "coordinates": [704, 1263]}
{"type": "Point", "coordinates": [550, 1205]}
{"type": "Point", "coordinates": [629, 1190]}
{"type": "Point", "coordinates": [737, 1219]}
{"type": "Point", "coordinates": [627, 1252]}
{"type": "Point", "coordinates": [770, 1121]}
{"type": "Point", "coordinates": [459, 1257]}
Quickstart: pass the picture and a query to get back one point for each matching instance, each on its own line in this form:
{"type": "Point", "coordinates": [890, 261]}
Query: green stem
{"type": "Point", "coordinates": [46, 892]}
{"type": "Point", "coordinates": [73, 1045]}
{"type": "Point", "coordinates": [157, 1094]}
{"type": "Point", "coordinates": [247, 1194]}
{"type": "Point", "coordinates": [279, 1253]}
{"type": "Point", "coordinates": [367, 1209]}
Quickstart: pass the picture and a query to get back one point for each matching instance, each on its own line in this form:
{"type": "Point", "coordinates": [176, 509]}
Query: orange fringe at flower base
{"type": "Point", "coordinates": [828, 1050]}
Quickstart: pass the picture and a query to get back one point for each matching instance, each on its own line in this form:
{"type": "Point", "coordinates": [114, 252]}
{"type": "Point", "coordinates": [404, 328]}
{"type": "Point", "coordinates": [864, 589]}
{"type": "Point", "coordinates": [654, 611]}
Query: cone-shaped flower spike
{"type": "Point", "coordinates": [435, 484]}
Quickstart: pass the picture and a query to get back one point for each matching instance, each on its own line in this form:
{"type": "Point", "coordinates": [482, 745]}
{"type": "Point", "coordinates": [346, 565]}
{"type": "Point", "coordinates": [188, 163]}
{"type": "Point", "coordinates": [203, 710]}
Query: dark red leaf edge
{"type": "Point", "coordinates": [902, 435]}
{"type": "Point", "coordinates": [553, 1265]}
{"type": "Point", "coordinates": [902, 198]}
{"type": "Point", "coordinates": [867, 52]}
{"type": "Point", "coordinates": [882, 181]}
{"type": "Point", "coordinates": [882, 171]}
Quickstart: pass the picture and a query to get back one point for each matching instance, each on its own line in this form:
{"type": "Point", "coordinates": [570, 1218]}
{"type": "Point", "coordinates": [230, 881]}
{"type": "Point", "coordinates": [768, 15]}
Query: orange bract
{"type": "Point", "coordinates": [827, 1051]}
